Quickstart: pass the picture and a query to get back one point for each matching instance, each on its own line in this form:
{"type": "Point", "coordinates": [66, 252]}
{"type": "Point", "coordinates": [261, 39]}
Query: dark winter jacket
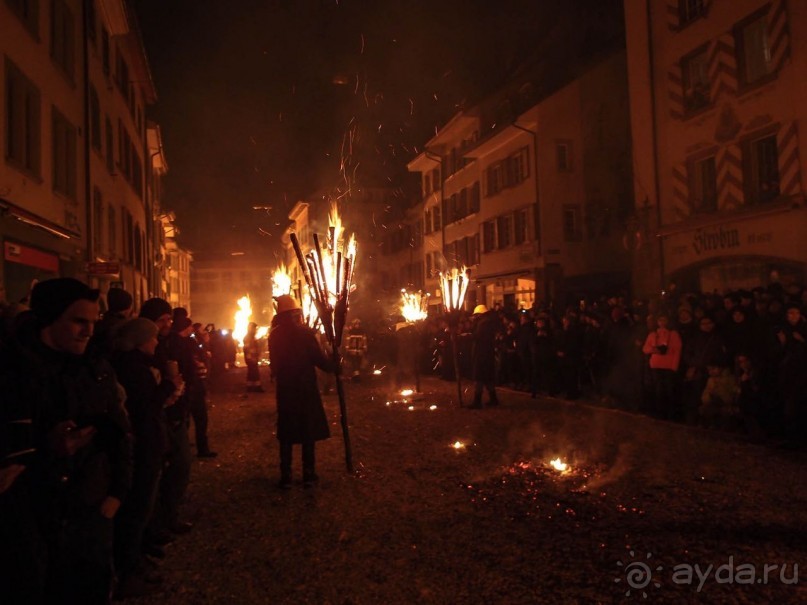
{"type": "Point", "coordinates": [483, 356]}
{"type": "Point", "coordinates": [294, 355]}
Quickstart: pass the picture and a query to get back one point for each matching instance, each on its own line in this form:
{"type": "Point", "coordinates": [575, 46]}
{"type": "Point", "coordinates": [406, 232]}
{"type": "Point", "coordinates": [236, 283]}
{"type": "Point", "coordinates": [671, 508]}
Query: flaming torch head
{"type": "Point", "coordinates": [281, 281]}
{"type": "Point", "coordinates": [414, 305]}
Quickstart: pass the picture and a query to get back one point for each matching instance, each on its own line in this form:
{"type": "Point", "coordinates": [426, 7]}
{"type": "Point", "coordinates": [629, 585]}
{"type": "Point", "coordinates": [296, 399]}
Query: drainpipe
{"type": "Point", "coordinates": [651, 58]}
{"type": "Point", "coordinates": [85, 69]}
{"type": "Point", "coordinates": [537, 206]}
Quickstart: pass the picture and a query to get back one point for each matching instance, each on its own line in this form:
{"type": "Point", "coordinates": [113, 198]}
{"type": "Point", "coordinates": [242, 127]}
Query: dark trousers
{"type": "Point", "coordinates": [253, 374]}
{"type": "Point", "coordinates": [23, 550]}
{"type": "Point", "coordinates": [176, 473]}
{"type": "Point", "coordinates": [666, 403]}
{"type": "Point", "coordinates": [309, 459]}
{"type": "Point", "coordinates": [199, 415]}
{"type": "Point", "coordinates": [490, 386]}
{"type": "Point", "coordinates": [136, 511]}
{"type": "Point", "coordinates": [81, 568]}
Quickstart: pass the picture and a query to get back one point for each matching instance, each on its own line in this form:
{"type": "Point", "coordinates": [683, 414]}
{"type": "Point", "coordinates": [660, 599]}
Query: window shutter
{"type": "Point", "coordinates": [787, 141]}
{"type": "Point", "coordinates": [675, 91]}
{"type": "Point", "coordinates": [778, 36]}
{"type": "Point", "coordinates": [729, 177]}
{"type": "Point", "coordinates": [723, 66]}
{"type": "Point", "coordinates": [681, 203]}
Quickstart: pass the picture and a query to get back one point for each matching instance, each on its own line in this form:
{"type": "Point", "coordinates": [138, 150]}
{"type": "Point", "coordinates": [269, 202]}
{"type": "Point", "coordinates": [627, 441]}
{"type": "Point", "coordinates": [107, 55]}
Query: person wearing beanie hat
{"type": "Point", "coordinates": [294, 355]}
{"type": "Point", "coordinates": [119, 309]}
{"type": "Point", "coordinates": [52, 297]}
{"type": "Point", "coordinates": [158, 310]}
{"type": "Point", "coordinates": [148, 393]}
{"type": "Point", "coordinates": [792, 337]}
{"type": "Point", "coordinates": [80, 455]}
{"type": "Point", "coordinates": [135, 333]}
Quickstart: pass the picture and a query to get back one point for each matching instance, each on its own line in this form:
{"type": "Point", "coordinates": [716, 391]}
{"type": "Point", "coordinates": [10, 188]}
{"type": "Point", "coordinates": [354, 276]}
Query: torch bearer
{"type": "Point", "coordinates": [330, 297]}
{"type": "Point", "coordinates": [414, 308]}
{"type": "Point", "coordinates": [454, 285]}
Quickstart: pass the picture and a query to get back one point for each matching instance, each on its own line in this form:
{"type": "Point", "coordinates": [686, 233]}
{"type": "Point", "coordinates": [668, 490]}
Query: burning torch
{"type": "Point", "coordinates": [328, 274]}
{"type": "Point", "coordinates": [414, 308]}
{"type": "Point", "coordinates": [453, 286]}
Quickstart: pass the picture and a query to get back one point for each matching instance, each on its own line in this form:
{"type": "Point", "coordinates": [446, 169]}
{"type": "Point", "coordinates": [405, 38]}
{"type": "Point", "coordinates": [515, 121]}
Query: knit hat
{"type": "Point", "coordinates": [180, 312]}
{"type": "Point", "coordinates": [154, 308]}
{"type": "Point", "coordinates": [134, 333]}
{"type": "Point", "coordinates": [117, 300]}
{"type": "Point", "coordinates": [52, 297]}
{"type": "Point", "coordinates": [181, 324]}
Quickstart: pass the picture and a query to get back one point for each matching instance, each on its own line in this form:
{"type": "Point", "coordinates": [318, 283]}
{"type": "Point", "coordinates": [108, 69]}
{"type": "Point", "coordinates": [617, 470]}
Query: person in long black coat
{"type": "Point", "coordinates": [294, 355]}
{"type": "Point", "coordinates": [483, 356]}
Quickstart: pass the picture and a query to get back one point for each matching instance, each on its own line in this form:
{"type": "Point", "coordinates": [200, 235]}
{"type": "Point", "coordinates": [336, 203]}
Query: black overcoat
{"type": "Point", "coordinates": [294, 355]}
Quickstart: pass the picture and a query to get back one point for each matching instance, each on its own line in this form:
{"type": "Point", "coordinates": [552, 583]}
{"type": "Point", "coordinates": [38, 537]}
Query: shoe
{"type": "Point", "coordinates": [476, 406]}
{"type": "Point", "coordinates": [161, 538]}
{"type": "Point", "coordinates": [207, 454]}
{"type": "Point", "coordinates": [134, 585]}
{"type": "Point", "coordinates": [181, 527]}
{"type": "Point", "coordinates": [284, 483]}
{"type": "Point", "coordinates": [493, 404]}
{"type": "Point", "coordinates": [152, 550]}
{"type": "Point", "coordinates": [310, 480]}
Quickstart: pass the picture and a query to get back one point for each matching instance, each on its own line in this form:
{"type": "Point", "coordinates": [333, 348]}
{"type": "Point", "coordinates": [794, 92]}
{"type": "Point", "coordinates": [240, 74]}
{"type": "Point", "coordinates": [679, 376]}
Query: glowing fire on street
{"type": "Point", "coordinates": [559, 465]}
{"type": "Point", "coordinates": [407, 392]}
{"type": "Point", "coordinates": [458, 445]}
{"type": "Point", "coordinates": [242, 318]}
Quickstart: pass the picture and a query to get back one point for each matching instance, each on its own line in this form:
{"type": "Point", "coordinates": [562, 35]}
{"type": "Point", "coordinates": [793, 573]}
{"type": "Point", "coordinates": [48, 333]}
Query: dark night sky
{"type": "Point", "coordinates": [256, 97]}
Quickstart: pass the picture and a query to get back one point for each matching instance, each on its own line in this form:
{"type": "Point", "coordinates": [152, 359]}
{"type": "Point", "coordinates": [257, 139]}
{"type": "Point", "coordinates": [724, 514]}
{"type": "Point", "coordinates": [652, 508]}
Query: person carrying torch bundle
{"type": "Point", "coordinates": [294, 355]}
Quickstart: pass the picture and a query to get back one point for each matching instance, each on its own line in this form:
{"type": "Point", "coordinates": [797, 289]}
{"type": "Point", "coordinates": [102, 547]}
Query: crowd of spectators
{"type": "Point", "coordinates": [735, 361]}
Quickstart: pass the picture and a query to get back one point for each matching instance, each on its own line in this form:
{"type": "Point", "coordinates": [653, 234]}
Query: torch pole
{"type": "Point", "coordinates": [456, 364]}
{"type": "Point", "coordinates": [340, 392]}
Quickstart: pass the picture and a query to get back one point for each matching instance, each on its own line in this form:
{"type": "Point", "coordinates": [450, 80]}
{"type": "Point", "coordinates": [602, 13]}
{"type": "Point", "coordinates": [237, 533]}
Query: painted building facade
{"type": "Point", "coordinates": [717, 118]}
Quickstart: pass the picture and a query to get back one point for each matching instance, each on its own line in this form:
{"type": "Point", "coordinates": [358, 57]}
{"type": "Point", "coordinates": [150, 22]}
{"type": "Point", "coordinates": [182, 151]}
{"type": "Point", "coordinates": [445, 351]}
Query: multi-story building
{"type": "Point", "coordinates": [176, 265]}
{"type": "Point", "coordinates": [217, 283]}
{"type": "Point", "coordinates": [72, 180]}
{"type": "Point", "coordinates": [156, 234]}
{"type": "Point", "coordinates": [532, 195]}
{"type": "Point", "coordinates": [716, 96]}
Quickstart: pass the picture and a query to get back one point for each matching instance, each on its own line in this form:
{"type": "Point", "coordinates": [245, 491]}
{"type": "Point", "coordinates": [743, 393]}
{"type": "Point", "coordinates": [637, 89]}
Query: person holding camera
{"type": "Point", "coordinates": [663, 345]}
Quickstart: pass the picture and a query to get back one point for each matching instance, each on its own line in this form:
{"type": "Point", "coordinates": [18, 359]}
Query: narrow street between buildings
{"type": "Point", "coordinates": [451, 505]}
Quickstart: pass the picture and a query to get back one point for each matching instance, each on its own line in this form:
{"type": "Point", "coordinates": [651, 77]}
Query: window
{"type": "Point", "coordinates": [436, 219]}
{"type": "Point", "coordinates": [110, 146]}
{"type": "Point", "coordinates": [62, 37]}
{"type": "Point", "coordinates": [753, 49]}
{"type": "Point", "coordinates": [429, 267]}
{"type": "Point", "coordinates": [427, 184]}
{"type": "Point", "coordinates": [462, 204]}
{"type": "Point", "coordinates": [28, 13]}
{"type": "Point", "coordinates": [495, 178]}
{"type": "Point", "coordinates": [761, 170]}
{"type": "Point", "coordinates": [503, 238]}
{"type": "Point", "coordinates": [22, 121]}
{"type": "Point", "coordinates": [64, 155]}
{"type": "Point", "coordinates": [475, 198]}
{"type": "Point", "coordinates": [563, 153]}
{"type": "Point", "coordinates": [95, 119]}
{"type": "Point", "coordinates": [488, 236]}
{"type": "Point", "coordinates": [703, 185]}
{"type": "Point", "coordinates": [572, 224]}
{"type": "Point", "coordinates": [112, 230]}
{"type": "Point", "coordinates": [689, 10]}
{"type": "Point", "coordinates": [122, 76]}
{"type": "Point", "coordinates": [695, 79]}
{"type": "Point", "coordinates": [427, 220]}
{"type": "Point", "coordinates": [520, 226]}
{"type": "Point", "coordinates": [97, 221]}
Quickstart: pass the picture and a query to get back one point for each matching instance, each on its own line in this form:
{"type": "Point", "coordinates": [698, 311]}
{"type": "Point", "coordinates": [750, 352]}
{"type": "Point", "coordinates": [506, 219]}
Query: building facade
{"type": "Point", "coordinates": [73, 192]}
{"type": "Point", "coordinates": [532, 191]}
{"type": "Point", "coordinates": [716, 92]}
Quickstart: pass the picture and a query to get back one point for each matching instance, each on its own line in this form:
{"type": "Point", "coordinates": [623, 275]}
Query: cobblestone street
{"type": "Point", "coordinates": [453, 505]}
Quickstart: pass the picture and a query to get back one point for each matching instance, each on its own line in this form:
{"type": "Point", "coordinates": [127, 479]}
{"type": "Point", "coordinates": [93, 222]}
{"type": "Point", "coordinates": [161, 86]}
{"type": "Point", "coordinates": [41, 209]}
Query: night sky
{"type": "Point", "coordinates": [262, 102]}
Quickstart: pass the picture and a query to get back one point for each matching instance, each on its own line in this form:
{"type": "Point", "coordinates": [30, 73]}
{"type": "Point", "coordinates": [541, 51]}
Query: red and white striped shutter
{"type": "Point", "coordinates": [675, 91]}
{"type": "Point", "coordinates": [680, 185]}
{"type": "Point", "coordinates": [729, 177]}
{"type": "Point", "coordinates": [672, 15]}
{"type": "Point", "coordinates": [787, 142]}
{"type": "Point", "coordinates": [723, 66]}
{"type": "Point", "coordinates": [778, 35]}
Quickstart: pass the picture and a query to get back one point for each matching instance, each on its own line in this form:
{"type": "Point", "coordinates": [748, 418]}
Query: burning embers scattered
{"type": "Point", "coordinates": [414, 306]}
